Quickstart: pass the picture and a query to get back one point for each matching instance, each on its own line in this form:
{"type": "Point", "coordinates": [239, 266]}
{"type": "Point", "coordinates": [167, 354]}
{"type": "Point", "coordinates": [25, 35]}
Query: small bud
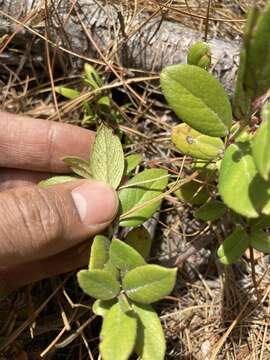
{"type": "Point", "coordinates": [199, 54]}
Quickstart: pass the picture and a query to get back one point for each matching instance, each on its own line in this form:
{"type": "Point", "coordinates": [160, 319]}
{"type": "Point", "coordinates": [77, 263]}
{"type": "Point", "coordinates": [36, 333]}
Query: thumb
{"type": "Point", "coordinates": [37, 223]}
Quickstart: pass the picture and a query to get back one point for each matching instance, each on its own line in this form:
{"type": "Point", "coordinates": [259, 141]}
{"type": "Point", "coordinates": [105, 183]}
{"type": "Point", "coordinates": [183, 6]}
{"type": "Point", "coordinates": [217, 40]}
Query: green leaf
{"type": "Point", "coordinates": [233, 246]}
{"type": "Point", "coordinates": [238, 173]}
{"type": "Point", "coordinates": [262, 222]}
{"type": "Point", "coordinates": [55, 180]}
{"type": "Point", "coordinates": [124, 257]}
{"type": "Point", "coordinates": [261, 148]}
{"type": "Point", "coordinates": [102, 307]}
{"type": "Point", "coordinates": [210, 211]}
{"type": "Point", "coordinates": [98, 284]}
{"type": "Point", "coordinates": [191, 142]}
{"type": "Point", "coordinates": [67, 92]}
{"type": "Point", "coordinates": [197, 98]}
{"type": "Point", "coordinates": [199, 54]}
{"type": "Point", "coordinates": [118, 334]}
{"type": "Point", "coordinates": [150, 343]}
{"type": "Point", "coordinates": [91, 77]}
{"type": "Point", "coordinates": [131, 162]}
{"type": "Point", "coordinates": [260, 241]}
{"type": "Point", "coordinates": [138, 198]}
{"type": "Point", "coordinates": [149, 283]}
{"type": "Point", "coordinates": [192, 192]}
{"type": "Point", "coordinates": [107, 159]}
{"type": "Point", "coordinates": [124, 303]}
{"type": "Point", "coordinates": [79, 166]}
{"type": "Point", "coordinates": [140, 239]}
{"type": "Point", "coordinates": [99, 252]}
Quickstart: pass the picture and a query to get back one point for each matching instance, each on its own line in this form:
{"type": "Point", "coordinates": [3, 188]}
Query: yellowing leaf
{"type": "Point", "coordinates": [123, 256]}
{"type": "Point", "coordinates": [233, 246]}
{"type": "Point", "coordinates": [79, 166]}
{"type": "Point", "coordinates": [197, 98]}
{"type": "Point", "coordinates": [138, 198]}
{"type": "Point", "coordinates": [107, 159]}
{"type": "Point", "coordinates": [148, 283]}
{"type": "Point", "coordinates": [261, 142]}
{"type": "Point", "coordinates": [98, 284]}
{"type": "Point", "coordinates": [150, 343]}
{"type": "Point", "coordinates": [140, 239]}
{"type": "Point", "coordinates": [118, 334]}
{"type": "Point", "coordinates": [99, 252]}
{"type": "Point", "coordinates": [191, 142]}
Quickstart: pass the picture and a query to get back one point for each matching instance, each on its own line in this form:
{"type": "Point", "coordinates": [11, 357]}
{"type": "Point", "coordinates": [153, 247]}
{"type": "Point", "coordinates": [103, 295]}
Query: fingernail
{"type": "Point", "coordinates": [96, 202]}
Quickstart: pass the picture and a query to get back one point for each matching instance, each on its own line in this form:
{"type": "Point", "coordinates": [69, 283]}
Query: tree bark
{"type": "Point", "coordinates": [145, 43]}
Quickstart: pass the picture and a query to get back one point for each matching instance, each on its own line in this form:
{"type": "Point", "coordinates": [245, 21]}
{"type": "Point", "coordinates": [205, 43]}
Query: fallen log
{"type": "Point", "coordinates": [100, 30]}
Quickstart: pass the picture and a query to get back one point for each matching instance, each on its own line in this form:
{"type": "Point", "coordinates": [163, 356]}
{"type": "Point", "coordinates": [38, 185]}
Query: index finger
{"type": "Point", "coordinates": [35, 144]}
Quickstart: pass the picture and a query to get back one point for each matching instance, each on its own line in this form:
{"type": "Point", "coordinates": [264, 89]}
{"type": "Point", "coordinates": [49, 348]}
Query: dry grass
{"type": "Point", "coordinates": [214, 313]}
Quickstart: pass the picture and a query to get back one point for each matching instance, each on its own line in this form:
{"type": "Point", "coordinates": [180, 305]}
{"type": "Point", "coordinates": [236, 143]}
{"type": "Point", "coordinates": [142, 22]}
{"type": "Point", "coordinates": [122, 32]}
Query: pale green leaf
{"type": "Point", "coordinates": [67, 92]}
{"type": "Point", "coordinates": [98, 284]}
{"type": "Point", "coordinates": [191, 142]}
{"type": "Point", "coordinates": [197, 98]}
{"type": "Point", "coordinates": [234, 246]}
{"type": "Point", "coordinates": [138, 199]}
{"type": "Point", "coordinates": [140, 239]}
{"type": "Point", "coordinates": [91, 76]}
{"type": "Point", "coordinates": [192, 192]}
{"type": "Point", "coordinates": [55, 180]}
{"type": "Point", "coordinates": [99, 252]}
{"type": "Point", "coordinates": [149, 283]}
{"type": "Point", "coordinates": [260, 241]}
{"type": "Point", "coordinates": [102, 307]}
{"type": "Point", "coordinates": [79, 166]}
{"type": "Point", "coordinates": [124, 257]}
{"type": "Point", "coordinates": [124, 303]}
{"type": "Point", "coordinates": [107, 159]}
{"type": "Point", "coordinates": [150, 343]}
{"type": "Point", "coordinates": [118, 334]}
{"type": "Point", "coordinates": [261, 142]}
{"type": "Point", "coordinates": [210, 211]}
{"type": "Point", "coordinates": [131, 162]}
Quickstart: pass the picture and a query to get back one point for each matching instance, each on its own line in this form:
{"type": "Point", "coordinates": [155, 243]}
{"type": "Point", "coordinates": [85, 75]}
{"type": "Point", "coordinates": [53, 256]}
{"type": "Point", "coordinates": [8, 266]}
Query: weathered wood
{"type": "Point", "coordinates": [155, 44]}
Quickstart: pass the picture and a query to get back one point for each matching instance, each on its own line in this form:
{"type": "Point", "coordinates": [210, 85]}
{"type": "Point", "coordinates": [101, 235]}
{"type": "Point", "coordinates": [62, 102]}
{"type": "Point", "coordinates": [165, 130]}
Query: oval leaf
{"type": "Point", "coordinates": [210, 211]}
{"type": "Point", "coordinates": [99, 252]}
{"type": "Point", "coordinates": [261, 148]}
{"type": "Point", "coordinates": [124, 257]}
{"type": "Point", "coordinates": [132, 161]}
{"type": "Point", "coordinates": [118, 333]}
{"type": "Point", "coordinates": [98, 284]}
{"type": "Point", "coordinates": [80, 166]}
{"type": "Point", "coordinates": [149, 283]}
{"type": "Point", "coordinates": [262, 222]}
{"type": "Point", "coordinates": [140, 239]}
{"type": "Point", "coordinates": [107, 158]}
{"type": "Point", "coordinates": [236, 175]}
{"type": "Point", "coordinates": [192, 192]}
{"type": "Point", "coordinates": [233, 246]}
{"type": "Point", "coordinates": [150, 342]}
{"type": "Point", "coordinates": [199, 54]}
{"type": "Point", "coordinates": [197, 98]}
{"type": "Point", "coordinates": [67, 92]}
{"type": "Point", "coordinates": [138, 199]}
{"type": "Point", "coordinates": [191, 142]}
{"type": "Point", "coordinates": [260, 241]}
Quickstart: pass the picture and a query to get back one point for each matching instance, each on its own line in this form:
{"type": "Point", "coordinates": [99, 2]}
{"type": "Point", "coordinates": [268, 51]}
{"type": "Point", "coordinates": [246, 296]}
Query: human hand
{"type": "Point", "coordinates": [42, 230]}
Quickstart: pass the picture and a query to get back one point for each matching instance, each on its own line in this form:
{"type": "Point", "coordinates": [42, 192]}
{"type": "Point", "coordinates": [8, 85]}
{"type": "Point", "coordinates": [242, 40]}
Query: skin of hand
{"type": "Point", "coordinates": [44, 232]}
